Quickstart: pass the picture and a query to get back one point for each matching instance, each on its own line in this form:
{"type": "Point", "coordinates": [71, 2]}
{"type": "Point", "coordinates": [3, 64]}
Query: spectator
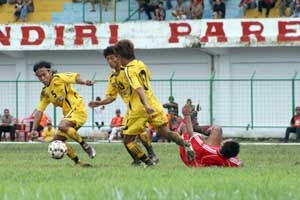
{"type": "Point", "coordinates": [196, 7]}
{"type": "Point", "coordinates": [116, 125]}
{"type": "Point", "coordinates": [23, 7]}
{"type": "Point", "coordinates": [172, 106]}
{"type": "Point", "coordinates": [99, 114]}
{"type": "Point", "coordinates": [283, 5]}
{"type": "Point", "coordinates": [294, 125]}
{"type": "Point", "coordinates": [268, 4]}
{"type": "Point", "coordinates": [219, 10]}
{"type": "Point", "coordinates": [180, 11]}
{"type": "Point", "coordinates": [296, 9]}
{"type": "Point", "coordinates": [160, 12]}
{"type": "Point", "coordinates": [247, 5]}
{"type": "Point", "coordinates": [150, 6]}
{"type": "Point", "coordinates": [7, 125]}
{"type": "Point", "coordinates": [48, 133]}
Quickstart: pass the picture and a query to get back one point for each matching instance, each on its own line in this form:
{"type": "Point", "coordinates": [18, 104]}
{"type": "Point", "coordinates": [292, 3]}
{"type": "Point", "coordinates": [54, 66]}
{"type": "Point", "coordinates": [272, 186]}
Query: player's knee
{"type": "Point", "coordinates": [217, 130]}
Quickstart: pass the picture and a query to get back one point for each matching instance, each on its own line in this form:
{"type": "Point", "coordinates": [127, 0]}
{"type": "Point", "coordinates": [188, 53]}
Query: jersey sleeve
{"type": "Point", "coordinates": [133, 77]}
{"type": "Point", "coordinates": [68, 77]}
{"type": "Point", "coordinates": [111, 91]}
{"type": "Point", "coordinates": [44, 102]}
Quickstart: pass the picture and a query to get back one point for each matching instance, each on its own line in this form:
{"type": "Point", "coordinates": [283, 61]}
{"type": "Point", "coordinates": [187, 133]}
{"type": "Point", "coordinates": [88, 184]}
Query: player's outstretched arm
{"type": "Point", "coordinates": [84, 82]}
{"type": "Point", "coordinates": [106, 101]}
{"type": "Point", "coordinates": [187, 111]}
{"type": "Point", "coordinates": [37, 119]}
{"type": "Point", "coordinates": [143, 98]}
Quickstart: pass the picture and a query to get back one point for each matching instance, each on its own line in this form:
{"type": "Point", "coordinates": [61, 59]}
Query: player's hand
{"type": "Point", "coordinates": [89, 82]}
{"type": "Point", "coordinates": [33, 134]}
{"type": "Point", "coordinates": [93, 104]}
{"type": "Point", "coordinates": [187, 109]}
{"type": "Point", "coordinates": [149, 110]}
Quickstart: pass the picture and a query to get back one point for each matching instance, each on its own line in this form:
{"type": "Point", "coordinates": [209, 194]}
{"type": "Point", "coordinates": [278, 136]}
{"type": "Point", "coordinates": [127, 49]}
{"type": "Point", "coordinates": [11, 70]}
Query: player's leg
{"type": "Point", "coordinates": [113, 133]}
{"type": "Point", "coordinates": [133, 126]}
{"type": "Point", "coordinates": [287, 133]}
{"type": "Point", "coordinates": [135, 149]}
{"type": "Point", "coordinates": [146, 141]}
{"type": "Point", "coordinates": [215, 136]}
{"type": "Point", "coordinates": [135, 161]}
{"type": "Point", "coordinates": [68, 127]}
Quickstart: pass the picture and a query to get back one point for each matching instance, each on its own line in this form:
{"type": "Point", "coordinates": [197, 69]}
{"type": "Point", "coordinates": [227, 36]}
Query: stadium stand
{"type": "Point", "coordinates": [65, 11]}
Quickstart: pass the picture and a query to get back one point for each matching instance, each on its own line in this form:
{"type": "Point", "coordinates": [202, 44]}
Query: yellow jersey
{"type": "Point", "coordinates": [48, 134]}
{"type": "Point", "coordinates": [61, 93]}
{"type": "Point", "coordinates": [138, 75]}
{"type": "Point", "coordinates": [118, 84]}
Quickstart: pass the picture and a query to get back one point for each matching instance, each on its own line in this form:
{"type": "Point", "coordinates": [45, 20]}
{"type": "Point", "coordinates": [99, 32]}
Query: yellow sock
{"type": "Point", "coordinates": [135, 149]}
{"type": "Point", "coordinates": [71, 153]}
{"type": "Point", "coordinates": [72, 133]}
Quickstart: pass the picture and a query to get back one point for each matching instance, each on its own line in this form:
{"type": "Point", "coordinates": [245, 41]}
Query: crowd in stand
{"type": "Point", "coordinates": [22, 8]}
{"type": "Point", "coordinates": [293, 5]}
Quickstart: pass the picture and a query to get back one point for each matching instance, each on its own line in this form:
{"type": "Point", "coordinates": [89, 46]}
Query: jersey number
{"type": "Point", "coordinates": [143, 76]}
{"type": "Point", "coordinates": [53, 93]}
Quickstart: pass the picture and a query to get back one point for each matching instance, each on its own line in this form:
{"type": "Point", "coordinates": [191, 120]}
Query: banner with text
{"type": "Point", "coordinates": [152, 34]}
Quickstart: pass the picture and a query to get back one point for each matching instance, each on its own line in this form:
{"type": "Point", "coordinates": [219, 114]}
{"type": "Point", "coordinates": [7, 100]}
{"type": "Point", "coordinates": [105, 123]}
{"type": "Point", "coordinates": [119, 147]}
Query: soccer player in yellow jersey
{"type": "Point", "coordinates": [118, 84]}
{"type": "Point", "coordinates": [143, 105]}
{"type": "Point", "coordinates": [58, 90]}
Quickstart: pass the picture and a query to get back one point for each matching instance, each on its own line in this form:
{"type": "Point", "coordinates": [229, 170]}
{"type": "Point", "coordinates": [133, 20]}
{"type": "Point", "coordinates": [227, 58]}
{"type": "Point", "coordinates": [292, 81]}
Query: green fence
{"type": "Point", "coordinates": [232, 103]}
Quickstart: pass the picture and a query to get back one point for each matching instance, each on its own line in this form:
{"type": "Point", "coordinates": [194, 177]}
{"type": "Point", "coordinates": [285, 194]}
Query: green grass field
{"type": "Point", "coordinates": [27, 172]}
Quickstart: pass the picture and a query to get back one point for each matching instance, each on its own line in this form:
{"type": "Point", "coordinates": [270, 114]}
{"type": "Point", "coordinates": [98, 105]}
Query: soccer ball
{"type": "Point", "coordinates": [57, 149]}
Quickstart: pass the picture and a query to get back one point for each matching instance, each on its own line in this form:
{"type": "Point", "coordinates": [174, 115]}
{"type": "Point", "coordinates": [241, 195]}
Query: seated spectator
{"type": "Point", "coordinates": [294, 125]}
{"type": "Point", "coordinates": [172, 106]}
{"type": "Point", "coordinates": [196, 7]}
{"type": "Point", "coordinates": [160, 12]}
{"type": "Point", "coordinates": [180, 11]}
{"type": "Point", "coordinates": [150, 6]}
{"type": "Point", "coordinates": [23, 7]}
{"type": "Point", "coordinates": [283, 5]}
{"type": "Point", "coordinates": [116, 125]}
{"type": "Point", "coordinates": [219, 10]}
{"type": "Point", "coordinates": [296, 9]}
{"type": "Point", "coordinates": [7, 125]}
{"type": "Point", "coordinates": [247, 5]}
{"type": "Point", "coordinates": [268, 4]}
{"type": "Point", "coordinates": [48, 133]}
{"type": "Point", "coordinates": [99, 115]}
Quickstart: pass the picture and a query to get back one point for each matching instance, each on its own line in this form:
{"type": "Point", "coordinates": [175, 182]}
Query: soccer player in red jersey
{"type": "Point", "coordinates": [210, 152]}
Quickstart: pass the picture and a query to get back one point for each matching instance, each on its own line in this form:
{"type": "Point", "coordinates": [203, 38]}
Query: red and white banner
{"type": "Point", "coordinates": [152, 34]}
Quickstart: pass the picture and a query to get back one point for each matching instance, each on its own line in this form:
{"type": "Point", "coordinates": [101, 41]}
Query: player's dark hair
{"type": "Point", "coordinates": [125, 49]}
{"type": "Point", "coordinates": [108, 51]}
{"type": "Point", "coordinates": [98, 98]}
{"type": "Point", "coordinates": [230, 149]}
{"type": "Point", "coordinates": [41, 64]}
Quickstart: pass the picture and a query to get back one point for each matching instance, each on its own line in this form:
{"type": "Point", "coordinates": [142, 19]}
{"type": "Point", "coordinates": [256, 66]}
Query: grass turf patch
{"type": "Point", "coordinates": [27, 172]}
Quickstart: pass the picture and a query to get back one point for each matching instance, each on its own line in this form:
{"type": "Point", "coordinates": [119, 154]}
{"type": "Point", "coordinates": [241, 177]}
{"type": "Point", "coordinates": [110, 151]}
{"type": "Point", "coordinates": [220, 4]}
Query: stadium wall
{"type": "Point", "coordinates": [231, 99]}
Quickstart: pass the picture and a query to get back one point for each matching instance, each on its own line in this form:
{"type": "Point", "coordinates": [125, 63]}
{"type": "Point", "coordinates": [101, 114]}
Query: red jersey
{"type": "Point", "coordinates": [295, 121]}
{"type": "Point", "coordinates": [116, 121]}
{"type": "Point", "coordinates": [205, 155]}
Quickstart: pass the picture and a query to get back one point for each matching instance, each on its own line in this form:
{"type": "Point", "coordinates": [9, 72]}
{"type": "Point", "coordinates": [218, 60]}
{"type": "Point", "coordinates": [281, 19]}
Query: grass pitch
{"type": "Point", "coordinates": [27, 172]}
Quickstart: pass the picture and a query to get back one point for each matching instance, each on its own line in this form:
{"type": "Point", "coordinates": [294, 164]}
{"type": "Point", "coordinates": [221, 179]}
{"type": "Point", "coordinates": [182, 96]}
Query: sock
{"type": "Point", "coordinates": [175, 137]}
{"type": "Point", "coordinates": [147, 143]}
{"type": "Point", "coordinates": [131, 154]}
{"type": "Point", "coordinates": [72, 133]}
{"type": "Point", "coordinates": [71, 153]}
{"type": "Point", "coordinates": [137, 151]}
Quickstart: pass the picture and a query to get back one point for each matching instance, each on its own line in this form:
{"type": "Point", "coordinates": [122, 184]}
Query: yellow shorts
{"type": "Point", "coordinates": [137, 125]}
{"type": "Point", "coordinates": [78, 116]}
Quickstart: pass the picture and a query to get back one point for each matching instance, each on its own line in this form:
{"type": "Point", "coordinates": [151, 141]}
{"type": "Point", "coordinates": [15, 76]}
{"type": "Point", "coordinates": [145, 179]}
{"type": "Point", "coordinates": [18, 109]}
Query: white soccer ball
{"type": "Point", "coordinates": [57, 149]}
